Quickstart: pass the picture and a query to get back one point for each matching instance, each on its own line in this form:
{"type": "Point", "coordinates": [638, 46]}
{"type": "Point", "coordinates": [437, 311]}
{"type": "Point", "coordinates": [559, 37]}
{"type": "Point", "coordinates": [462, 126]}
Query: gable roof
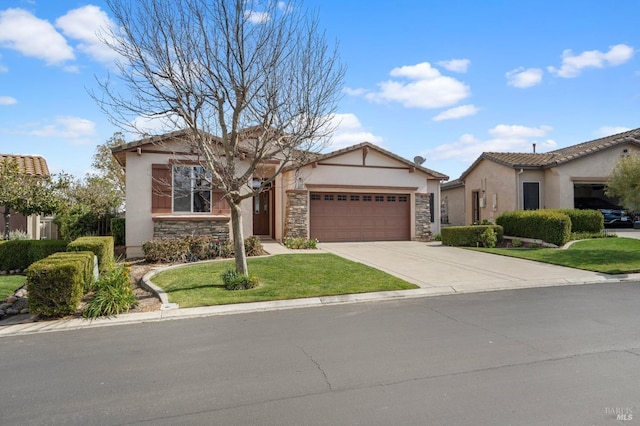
{"type": "Point", "coordinates": [518, 160]}
{"type": "Point", "coordinates": [322, 157]}
{"type": "Point", "coordinates": [30, 164]}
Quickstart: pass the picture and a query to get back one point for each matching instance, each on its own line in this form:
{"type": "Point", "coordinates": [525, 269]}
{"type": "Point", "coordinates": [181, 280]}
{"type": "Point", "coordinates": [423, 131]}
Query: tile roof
{"type": "Point", "coordinates": [559, 156]}
{"type": "Point", "coordinates": [30, 164]}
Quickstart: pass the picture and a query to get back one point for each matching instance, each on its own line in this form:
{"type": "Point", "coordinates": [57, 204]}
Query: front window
{"type": "Point", "coordinates": [191, 189]}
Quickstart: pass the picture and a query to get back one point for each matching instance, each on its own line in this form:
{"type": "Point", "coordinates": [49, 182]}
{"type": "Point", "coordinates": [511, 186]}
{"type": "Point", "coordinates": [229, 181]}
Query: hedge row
{"type": "Point", "coordinates": [583, 220]}
{"type": "Point", "coordinates": [19, 254]}
{"type": "Point", "coordinates": [56, 284]}
{"type": "Point", "coordinates": [100, 246]}
{"type": "Point", "coordinates": [192, 249]}
{"type": "Point", "coordinates": [546, 225]}
{"type": "Point", "coordinates": [468, 236]}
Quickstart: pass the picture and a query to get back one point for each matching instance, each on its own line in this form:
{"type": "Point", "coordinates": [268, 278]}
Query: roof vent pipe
{"type": "Point", "coordinates": [534, 148]}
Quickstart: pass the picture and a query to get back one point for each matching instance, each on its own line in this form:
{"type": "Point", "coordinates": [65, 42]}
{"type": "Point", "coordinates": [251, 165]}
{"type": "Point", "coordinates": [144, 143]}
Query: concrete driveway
{"type": "Point", "coordinates": [432, 265]}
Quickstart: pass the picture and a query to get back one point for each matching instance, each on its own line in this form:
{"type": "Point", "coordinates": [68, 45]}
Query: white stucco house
{"type": "Point", "coordinates": [567, 178]}
{"type": "Point", "coordinates": [359, 193]}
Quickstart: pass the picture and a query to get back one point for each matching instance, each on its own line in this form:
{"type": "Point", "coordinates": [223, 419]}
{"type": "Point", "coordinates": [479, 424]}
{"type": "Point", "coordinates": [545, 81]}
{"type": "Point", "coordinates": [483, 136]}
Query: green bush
{"type": "Point", "coordinates": [468, 236]}
{"type": "Point", "coordinates": [300, 243]}
{"type": "Point", "coordinates": [253, 246]}
{"type": "Point", "coordinates": [583, 220]}
{"type": "Point", "coordinates": [118, 227]}
{"type": "Point", "coordinates": [488, 238]}
{"type": "Point", "coordinates": [100, 246]}
{"type": "Point", "coordinates": [87, 269]}
{"type": "Point", "coordinates": [56, 285]}
{"type": "Point", "coordinates": [192, 249]}
{"type": "Point", "coordinates": [550, 226]}
{"type": "Point", "coordinates": [19, 254]}
{"type": "Point", "coordinates": [113, 296]}
{"type": "Point", "coordinates": [76, 222]}
{"type": "Point", "coordinates": [234, 281]}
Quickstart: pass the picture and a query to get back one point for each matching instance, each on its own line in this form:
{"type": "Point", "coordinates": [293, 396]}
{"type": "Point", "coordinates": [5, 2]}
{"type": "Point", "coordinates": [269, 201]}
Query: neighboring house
{"type": "Point", "coordinates": [31, 165]}
{"type": "Point", "coordinates": [360, 193]}
{"type": "Point", "coordinates": [572, 177]}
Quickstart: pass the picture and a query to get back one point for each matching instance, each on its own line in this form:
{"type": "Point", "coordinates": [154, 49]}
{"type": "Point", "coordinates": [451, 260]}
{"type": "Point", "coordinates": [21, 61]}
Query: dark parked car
{"type": "Point", "coordinates": [616, 218]}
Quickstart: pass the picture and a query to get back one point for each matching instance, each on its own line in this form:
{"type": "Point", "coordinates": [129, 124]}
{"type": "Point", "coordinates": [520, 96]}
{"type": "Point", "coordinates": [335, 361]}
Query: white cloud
{"type": "Point", "coordinates": [156, 125]}
{"type": "Point", "coordinates": [427, 88]}
{"type": "Point", "coordinates": [256, 17]}
{"type": "Point", "coordinates": [522, 78]}
{"type": "Point", "coordinates": [34, 37]}
{"type": "Point", "coordinates": [349, 131]}
{"type": "Point", "coordinates": [610, 130]}
{"type": "Point", "coordinates": [572, 65]}
{"type": "Point", "coordinates": [457, 112]}
{"type": "Point", "coordinates": [354, 92]}
{"type": "Point", "coordinates": [78, 131]}
{"type": "Point", "coordinates": [505, 138]}
{"type": "Point", "coordinates": [455, 65]}
{"type": "Point", "coordinates": [8, 100]}
{"type": "Point", "coordinates": [87, 24]}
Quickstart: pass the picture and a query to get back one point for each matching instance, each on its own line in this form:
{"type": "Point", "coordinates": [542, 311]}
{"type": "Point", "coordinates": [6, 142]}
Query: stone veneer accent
{"type": "Point", "coordinates": [178, 227]}
{"type": "Point", "coordinates": [297, 214]}
{"type": "Point", "coordinates": [423, 218]}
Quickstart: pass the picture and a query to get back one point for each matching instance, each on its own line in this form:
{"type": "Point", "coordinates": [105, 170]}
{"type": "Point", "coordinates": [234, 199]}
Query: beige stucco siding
{"type": "Point", "coordinates": [592, 168]}
{"type": "Point", "coordinates": [139, 227]}
{"type": "Point", "coordinates": [380, 173]}
{"type": "Point", "coordinates": [453, 200]}
{"type": "Point", "coordinates": [499, 185]}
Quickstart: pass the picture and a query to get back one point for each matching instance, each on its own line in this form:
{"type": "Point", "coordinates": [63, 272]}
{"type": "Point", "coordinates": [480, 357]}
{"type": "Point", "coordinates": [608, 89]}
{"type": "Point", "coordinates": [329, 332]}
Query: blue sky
{"type": "Point", "coordinates": [444, 80]}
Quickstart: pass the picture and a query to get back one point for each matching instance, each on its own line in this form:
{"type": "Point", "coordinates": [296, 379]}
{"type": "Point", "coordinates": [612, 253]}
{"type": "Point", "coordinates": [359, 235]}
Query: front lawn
{"type": "Point", "coordinates": [287, 276]}
{"type": "Point", "coordinates": [9, 284]}
{"type": "Point", "coordinates": [606, 255]}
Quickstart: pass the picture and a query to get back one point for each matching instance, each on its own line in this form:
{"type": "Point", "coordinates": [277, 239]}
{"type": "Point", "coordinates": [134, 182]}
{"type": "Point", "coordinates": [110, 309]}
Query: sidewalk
{"type": "Point", "coordinates": [437, 269]}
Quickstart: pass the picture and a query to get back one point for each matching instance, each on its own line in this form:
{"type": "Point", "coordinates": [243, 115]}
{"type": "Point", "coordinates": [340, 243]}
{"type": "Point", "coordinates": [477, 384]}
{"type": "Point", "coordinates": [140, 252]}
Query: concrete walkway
{"type": "Point", "coordinates": [436, 269]}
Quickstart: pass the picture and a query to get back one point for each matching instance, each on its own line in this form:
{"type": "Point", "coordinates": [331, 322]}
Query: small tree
{"type": "Point", "coordinates": [257, 74]}
{"type": "Point", "coordinates": [106, 165]}
{"type": "Point", "coordinates": [27, 194]}
{"type": "Point", "coordinates": [624, 182]}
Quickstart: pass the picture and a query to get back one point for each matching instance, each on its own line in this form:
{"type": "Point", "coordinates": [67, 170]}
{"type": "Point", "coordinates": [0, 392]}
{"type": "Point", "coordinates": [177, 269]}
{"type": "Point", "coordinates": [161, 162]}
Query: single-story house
{"type": "Point", "coordinates": [359, 193]}
{"type": "Point", "coordinates": [32, 165]}
{"type": "Point", "coordinates": [571, 177]}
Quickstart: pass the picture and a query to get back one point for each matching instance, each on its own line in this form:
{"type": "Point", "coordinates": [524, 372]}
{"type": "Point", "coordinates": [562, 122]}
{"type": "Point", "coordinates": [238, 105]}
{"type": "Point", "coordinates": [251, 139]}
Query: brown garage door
{"type": "Point", "coordinates": [359, 217]}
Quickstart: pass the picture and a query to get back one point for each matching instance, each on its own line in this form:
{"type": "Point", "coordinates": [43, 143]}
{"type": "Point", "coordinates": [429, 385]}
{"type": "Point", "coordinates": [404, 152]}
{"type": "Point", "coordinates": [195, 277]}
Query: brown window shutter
{"type": "Point", "coordinates": [219, 204]}
{"type": "Point", "coordinates": [161, 188]}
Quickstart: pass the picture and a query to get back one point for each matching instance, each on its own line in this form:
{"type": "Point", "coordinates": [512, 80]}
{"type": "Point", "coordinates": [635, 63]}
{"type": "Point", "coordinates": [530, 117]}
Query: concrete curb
{"type": "Point", "coordinates": [171, 311]}
{"type": "Point", "coordinates": [244, 308]}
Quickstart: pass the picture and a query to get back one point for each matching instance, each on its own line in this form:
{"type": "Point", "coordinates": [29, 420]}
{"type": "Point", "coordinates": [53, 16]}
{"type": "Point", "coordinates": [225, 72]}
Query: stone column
{"type": "Point", "coordinates": [423, 218]}
{"type": "Point", "coordinates": [297, 214]}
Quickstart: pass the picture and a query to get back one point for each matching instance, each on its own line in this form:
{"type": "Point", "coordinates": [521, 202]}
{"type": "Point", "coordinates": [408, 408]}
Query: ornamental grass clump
{"type": "Point", "coordinates": [113, 295]}
{"type": "Point", "coordinates": [235, 281]}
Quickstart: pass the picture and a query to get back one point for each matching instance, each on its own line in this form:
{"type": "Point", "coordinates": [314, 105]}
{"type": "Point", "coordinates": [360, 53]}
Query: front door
{"type": "Point", "coordinates": [261, 213]}
{"type": "Point", "coordinates": [475, 207]}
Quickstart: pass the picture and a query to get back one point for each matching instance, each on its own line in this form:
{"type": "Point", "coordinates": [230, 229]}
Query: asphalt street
{"type": "Point", "coordinates": [539, 356]}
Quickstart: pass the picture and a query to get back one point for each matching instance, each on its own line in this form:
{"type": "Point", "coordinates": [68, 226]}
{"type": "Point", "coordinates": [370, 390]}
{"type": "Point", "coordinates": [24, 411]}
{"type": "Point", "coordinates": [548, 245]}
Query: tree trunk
{"type": "Point", "coordinates": [238, 238]}
{"type": "Point", "coordinates": [7, 217]}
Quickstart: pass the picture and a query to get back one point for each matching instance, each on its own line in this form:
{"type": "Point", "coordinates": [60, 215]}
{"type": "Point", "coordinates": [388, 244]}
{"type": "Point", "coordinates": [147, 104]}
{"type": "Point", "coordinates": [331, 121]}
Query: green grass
{"type": "Point", "coordinates": [288, 276]}
{"type": "Point", "coordinates": [606, 255]}
{"type": "Point", "coordinates": [9, 284]}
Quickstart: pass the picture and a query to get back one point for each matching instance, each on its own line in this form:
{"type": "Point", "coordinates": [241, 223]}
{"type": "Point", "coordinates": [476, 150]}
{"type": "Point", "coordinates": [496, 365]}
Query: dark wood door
{"type": "Point", "coordinates": [261, 213]}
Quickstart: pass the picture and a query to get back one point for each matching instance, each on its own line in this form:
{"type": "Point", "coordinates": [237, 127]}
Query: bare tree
{"type": "Point", "coordinates": [249, 80]}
